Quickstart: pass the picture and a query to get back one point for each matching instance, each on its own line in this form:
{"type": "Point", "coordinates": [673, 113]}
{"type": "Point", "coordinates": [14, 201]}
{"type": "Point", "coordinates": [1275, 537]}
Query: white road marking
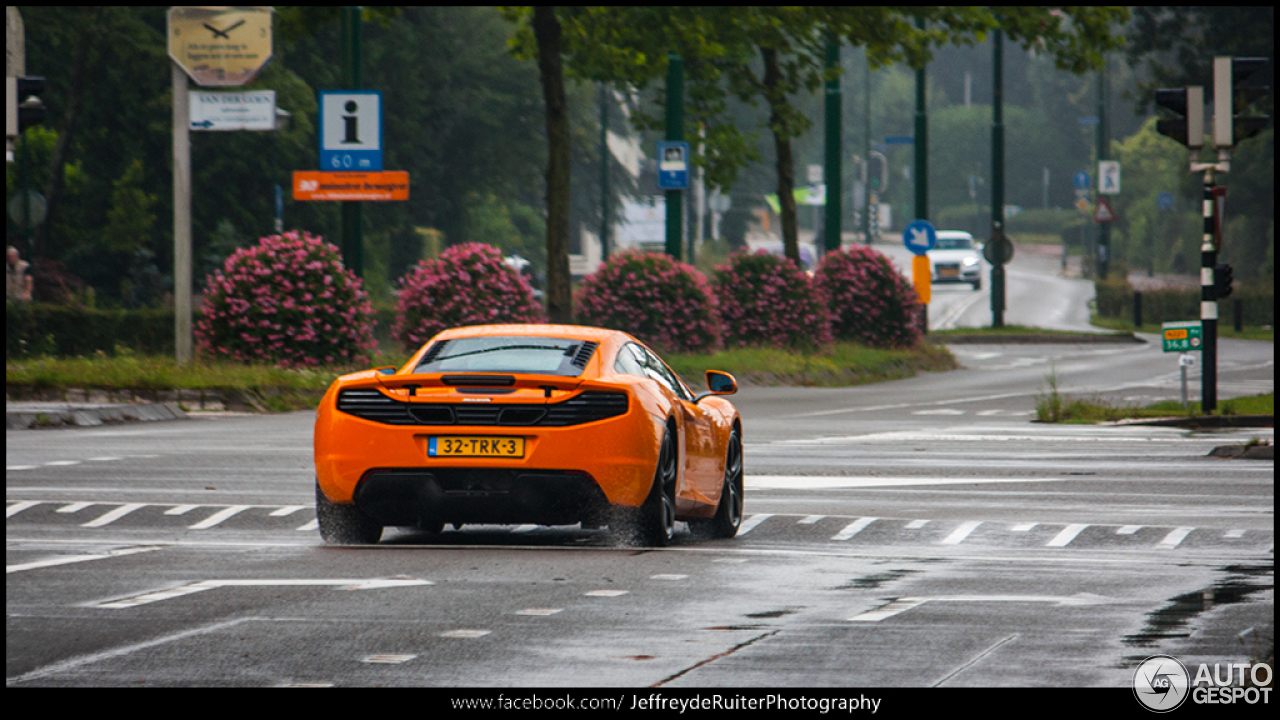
{"type": "Point", "coordinates": [939, 411]}
{"type": "Point", "coordinates": [1236, 533]}
{"type": "Point", "coordinates": [20, 467]}
{"type": "Point", "coordinates": [605, 593]}
{"type": "Point", "coordinates": [192, 588]}
{"type": "Point", "coordinates": [74, 507]}
{"type": "Point", "coordinates": [180, 509]}
{"type": "Point", "coordinates": [114, 515]}
{"type": "Point", "coordinates": [387, 659]}
{"type": "Point", "coordinates": [903, 604]}
{"type": "Point", "coordinates": [810, 519]}
{"type": "Point", "coordinates": [287, 510]}
{"type": "Point", "coordinates": [958, 535]}
{"type": "Point", "coordinates": [106, 458]}
{"type": "Point", "coordinates": [917, 524]}
{"type": "Point", "coordinates": [1174, 538]}
{"type": "Point", "coordinates": [988, 413]}
{"type": "Point", "coordinates": [311, 526]}
{"type": "Point", "coordinates": [14, 509]}
{"type": "Point", "coordinates": [524, 528]}
{"type": "Point", "coordinates": [1128, 529]}
{"type": "Point", "coordinates": [668, 576]}
{"type": "Point", "coordinates": [219, 517]}
{"type": "Point", "coordinates": [887, 611]}
{"type": "Point", "coordinates": [539, 612]}
{"type": "Point", "coordinates": [69, 559]}
{"type": "Point", "coordinates": [465, 633]}
{"type": "Point", "coordinates": [76, 662]}
{"type": "Point", "coordinates": [821, 482]}
{"type": "Point", "coordinates": [1023, 527]}
{"type": "Point", "coordinates": [62, 463]}
{"type": "Point", "coordinates": [1068, 534]}
{"type": "Point", "coordinates": [853, 528]}
{"type": "Point", "coordinates": [751, 522]}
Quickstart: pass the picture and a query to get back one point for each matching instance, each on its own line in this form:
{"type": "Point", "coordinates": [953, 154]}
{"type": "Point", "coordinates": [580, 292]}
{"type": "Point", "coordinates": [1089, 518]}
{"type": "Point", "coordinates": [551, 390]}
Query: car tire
{"type": "Point", "coordinates": [728, 517]}
{"type": "Point", "coordinates": [653, 523]}
{"type": "Point", "coordinates": [344, 524]}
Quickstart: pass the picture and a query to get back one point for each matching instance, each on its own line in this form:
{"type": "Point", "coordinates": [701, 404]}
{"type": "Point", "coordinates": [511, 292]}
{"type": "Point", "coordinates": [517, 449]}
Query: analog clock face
{"type": "Point", "coordinates": [220, 46]}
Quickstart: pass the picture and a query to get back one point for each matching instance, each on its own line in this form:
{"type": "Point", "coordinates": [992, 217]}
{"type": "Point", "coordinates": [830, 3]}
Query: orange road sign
{"type": "Point", "coordinates": [370, 186]}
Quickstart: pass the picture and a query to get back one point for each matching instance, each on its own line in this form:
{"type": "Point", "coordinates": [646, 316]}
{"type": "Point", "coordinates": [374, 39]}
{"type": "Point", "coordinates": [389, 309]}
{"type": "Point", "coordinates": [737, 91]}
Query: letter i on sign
{"type": "Point", "coordinates": [351, 120]}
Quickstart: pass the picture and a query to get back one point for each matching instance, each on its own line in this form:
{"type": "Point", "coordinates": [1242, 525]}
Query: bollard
{"type": "Point", "coordinates": [1137, 310]}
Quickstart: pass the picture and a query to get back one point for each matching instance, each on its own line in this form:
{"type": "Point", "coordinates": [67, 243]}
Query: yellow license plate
{"type": "Point", "coordinates": [951, 272]}
{"type": "Point", "coordinates": [475, 446]}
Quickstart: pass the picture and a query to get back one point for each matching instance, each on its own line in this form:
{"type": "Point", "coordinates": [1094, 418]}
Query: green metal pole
{"type": "Point", "coordinates": [997, 178]}
{"type": "Point", "coordinates": [866, 156]}
{"type": "Point", "coordinates": [675, 133]}
{"type": "Point", "coordinates": [604, 172]}
{"type": "Point", "coordinates": [1104, 229]}
{"type": "Point", "coordinates": [833, 173]}
{"type": "Point", "coordinates": [352, 220]}
{"type": "Point", "coordinates": [921, 144]}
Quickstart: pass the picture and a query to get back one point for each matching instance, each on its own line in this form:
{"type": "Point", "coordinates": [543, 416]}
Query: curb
{"type": "Point", "coordinates": [1211, 421]}
{"type": "Point", "coordinates": [1033, 339]}
{"type": "Point", "coordinates": [27, 415]}
{"type": "Point", "coordinates": [1248, 452]}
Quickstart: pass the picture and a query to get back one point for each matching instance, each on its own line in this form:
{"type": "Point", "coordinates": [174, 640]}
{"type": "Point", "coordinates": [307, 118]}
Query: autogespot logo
{"type": "Point", "coordinates": [1161, 683]}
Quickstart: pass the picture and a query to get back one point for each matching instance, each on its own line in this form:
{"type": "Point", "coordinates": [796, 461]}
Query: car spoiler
{"type": "Point", "coordinates": [480, 382]}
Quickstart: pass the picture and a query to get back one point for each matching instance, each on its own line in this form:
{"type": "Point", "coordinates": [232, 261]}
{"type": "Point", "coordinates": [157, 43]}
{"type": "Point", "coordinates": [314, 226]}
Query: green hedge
{"type": "Point", "coordinates": [1115, 300]}
{"type": "Point", "coordinates": [68, 331]}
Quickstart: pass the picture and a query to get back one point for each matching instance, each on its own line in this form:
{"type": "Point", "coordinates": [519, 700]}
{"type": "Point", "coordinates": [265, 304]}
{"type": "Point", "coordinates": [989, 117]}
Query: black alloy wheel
{"type": "Point", "coordinates": [728, 517]}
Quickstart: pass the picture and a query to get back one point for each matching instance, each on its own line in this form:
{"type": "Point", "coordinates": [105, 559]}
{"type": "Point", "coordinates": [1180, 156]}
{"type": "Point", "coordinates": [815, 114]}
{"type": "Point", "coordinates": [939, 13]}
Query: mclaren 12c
{"type": "Point", "coordinates": [529, 424]}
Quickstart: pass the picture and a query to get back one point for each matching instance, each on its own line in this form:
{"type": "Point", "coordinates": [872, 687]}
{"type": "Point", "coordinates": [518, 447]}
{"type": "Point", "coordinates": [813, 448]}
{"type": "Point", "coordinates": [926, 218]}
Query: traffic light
{"type": "Point", "coordinates": [30, 107]}
{"type": "Point", "coordinates": [1188, 105]}
{"type": "Point", "coordinates": [1238, 85]}
{"type": "Point", "coordinates": [1223, 276]}
{"type": "Point", "coordinates": [878, 172]}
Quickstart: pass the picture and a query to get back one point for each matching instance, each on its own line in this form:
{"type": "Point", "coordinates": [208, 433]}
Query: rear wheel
{"type": "Point", "coordinates": [653, 524]}
{"type": "Point", "coordinates": [344, 524]}
{"type": "Point", "coordinates": [728, 517]}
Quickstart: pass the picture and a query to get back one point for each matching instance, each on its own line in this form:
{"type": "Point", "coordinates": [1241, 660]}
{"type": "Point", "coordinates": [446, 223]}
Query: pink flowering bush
{"type": "Point", "coordinates": [289, 301]}
{"type": "Point", "coordinates": [660, 301]}
{"type": "Point", "coordinates": [871, 302]}
{"type": "Point", "coordinates": [767, 300]}
{"type": "Point", "coordinates": [467, 284]}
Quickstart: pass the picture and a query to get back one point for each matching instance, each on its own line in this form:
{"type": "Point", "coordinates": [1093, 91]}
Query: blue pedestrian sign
{"type": "Point", "coordinates": [350, 130]}
{"type": "Point", "coordinates": [920, 237]}
{"type": "Point", "coordinates": [1164, 201]}
{"type": "Point", "coordinates": [1081, 180]}
{"type": "Point", "coordinates": [673, 165]}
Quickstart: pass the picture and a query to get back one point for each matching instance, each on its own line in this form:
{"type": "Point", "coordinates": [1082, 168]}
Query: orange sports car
{"type": "Point", "coordinates": [538, 424]}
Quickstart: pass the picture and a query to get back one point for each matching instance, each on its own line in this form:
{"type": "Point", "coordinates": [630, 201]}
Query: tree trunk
{"type": "Point", "coordinates": [89, 31]}
{"type": "Point", "coordinates": [546, 30]}
{"type": "Point", "coordinates": [782, 143]}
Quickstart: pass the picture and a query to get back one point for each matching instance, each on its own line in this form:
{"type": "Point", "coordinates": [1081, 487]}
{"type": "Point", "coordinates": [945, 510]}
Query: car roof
{"type": "Point", "coordinates": [955, 234]}
{"type": "Point", "coordinates": [569, 332]}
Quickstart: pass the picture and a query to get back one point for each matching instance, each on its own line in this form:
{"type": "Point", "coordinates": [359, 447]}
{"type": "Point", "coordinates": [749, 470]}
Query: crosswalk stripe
{"type": "Point", "coordinates": [18, 507]}
{"type": "Point", "coordinates": [180, 509]}
{"type": "Point", "coordinates": [1128, 529]}
{"type": "Point", "coordinates": [1068, 534]}
{"type": "Point", "coordinates": [810, 519]}
{"type": "Point", "coordinates": [219, 517]}
{"type": "Point", "coordinates": [1174, 538]}
{"type": "Point", "coordinates": [853, 528]}
{"type": "Point", "coordinates": [74, 507]}
{"type": "Point", "coordinates": [114, 515]}
{"type": "Point", "coordinates": [1023, 527]}
{"type": "Point", "coordinates": [917, 524]}
{"type": "Point", "coordinates": [751, 522]}
{"type": "Point", "coordinates": [959, 534]}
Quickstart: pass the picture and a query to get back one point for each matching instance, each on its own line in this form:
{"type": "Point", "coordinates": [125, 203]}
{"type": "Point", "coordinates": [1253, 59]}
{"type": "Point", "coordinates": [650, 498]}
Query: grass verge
{"type": "Point", "coordinates": [273, 388]}
{"type": "Point", "coordinates": [1006, 330]}
{"type": "Point", "coordinates": [1225, 330]}
{"type": "Point", "coordinates": [1053, 407]}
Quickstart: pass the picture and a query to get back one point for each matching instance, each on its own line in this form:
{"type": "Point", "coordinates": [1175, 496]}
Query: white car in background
{"type": "Point", "coordinates": [956, 259]}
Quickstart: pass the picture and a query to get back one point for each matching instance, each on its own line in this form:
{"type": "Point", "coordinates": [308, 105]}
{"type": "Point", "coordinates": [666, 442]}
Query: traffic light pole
{"type": "Point", "coordinates": [675, 133]}
{"type": "Point", "coordinates": [997, 178]}
{"type": "Point", "coordinates": [1209, 300]}
{"type": "Point", "coordinates": [352, 216]}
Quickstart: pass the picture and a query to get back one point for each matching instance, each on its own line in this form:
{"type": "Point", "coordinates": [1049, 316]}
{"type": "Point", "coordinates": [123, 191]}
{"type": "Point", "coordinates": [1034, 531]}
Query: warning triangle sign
{"type": "Point", "coordinates": [1103, 213]}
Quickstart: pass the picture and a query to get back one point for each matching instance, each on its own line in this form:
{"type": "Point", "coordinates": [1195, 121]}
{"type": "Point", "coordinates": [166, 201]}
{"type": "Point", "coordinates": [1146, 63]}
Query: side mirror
{"type": "Point", "coordinates": [721, 383]}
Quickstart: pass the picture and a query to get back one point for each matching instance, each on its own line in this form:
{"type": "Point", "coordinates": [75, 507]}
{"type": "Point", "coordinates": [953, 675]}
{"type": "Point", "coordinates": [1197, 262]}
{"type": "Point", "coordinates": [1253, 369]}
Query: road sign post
{"type": "Point", "coordinates": [214, 46]}
{"type": "Point", "coordinates": [920, 237]}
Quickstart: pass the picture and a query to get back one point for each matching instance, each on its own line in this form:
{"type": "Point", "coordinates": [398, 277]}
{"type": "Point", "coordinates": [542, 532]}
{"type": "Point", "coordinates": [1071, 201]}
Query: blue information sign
{"type": "Point", "coordinates": [350, 130]}
{"type": "Point", "coordinates": [673, 165]}
{"type": "Point", "coordinates": [1081, 180]}
{"type": "Point", "coordinates": [920, 237]}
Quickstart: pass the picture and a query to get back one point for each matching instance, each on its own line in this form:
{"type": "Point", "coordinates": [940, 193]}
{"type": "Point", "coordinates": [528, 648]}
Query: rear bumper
{"type": "Point", "coordinates": [960, 275]}
{"type": "Point", "coordinates": [480, 495]}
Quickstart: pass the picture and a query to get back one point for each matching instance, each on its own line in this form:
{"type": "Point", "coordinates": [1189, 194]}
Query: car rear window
{"type": "Point", "coordinates": [954, 243]}
{"type": "Point", "coordinates": [508, 354]}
